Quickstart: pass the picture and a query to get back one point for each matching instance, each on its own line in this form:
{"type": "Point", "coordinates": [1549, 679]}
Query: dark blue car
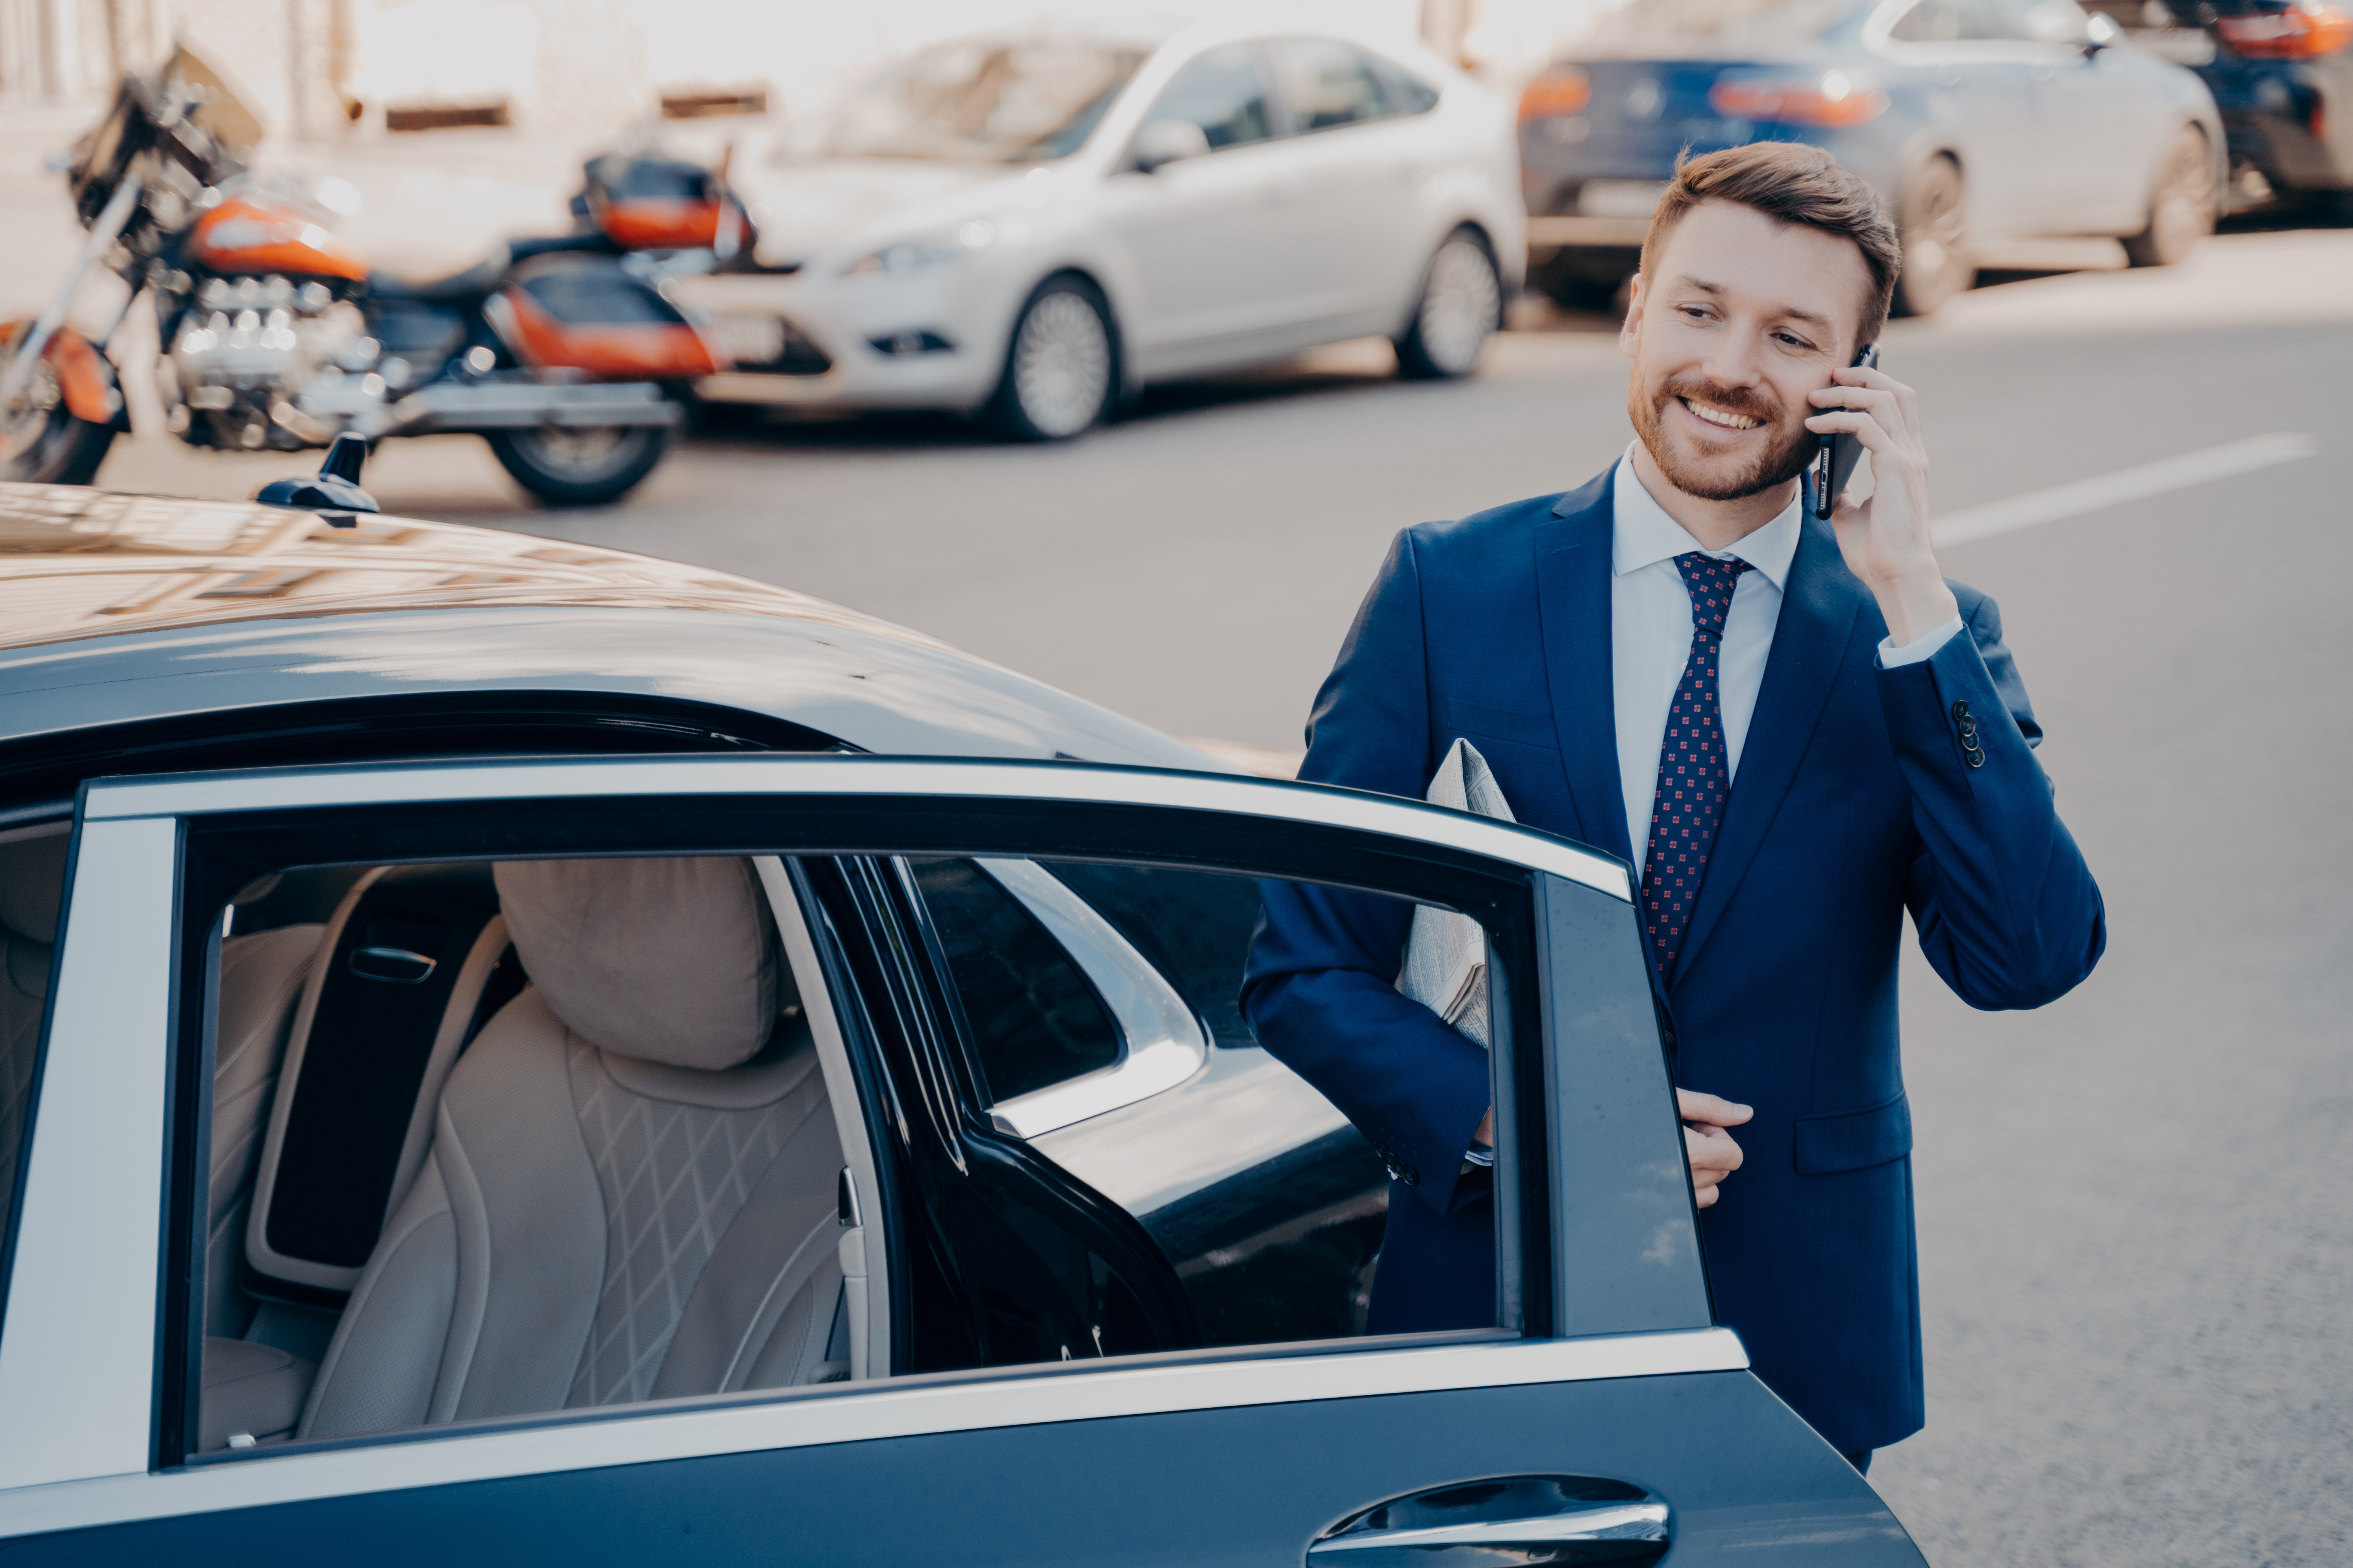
{"type": "Point", "coordinates": [2282, 74]}
{"type": "Point", "coordinates": [514, 1053]}
{"type": "Point", "coordinates": [1980, 121]}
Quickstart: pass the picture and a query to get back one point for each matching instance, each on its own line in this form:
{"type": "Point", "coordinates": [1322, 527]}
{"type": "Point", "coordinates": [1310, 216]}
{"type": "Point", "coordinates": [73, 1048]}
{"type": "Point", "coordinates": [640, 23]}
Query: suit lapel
{"type": "Point", "coordinates": [1810, 645]}
{"type": "Point", "coordinates": [1573, 572]}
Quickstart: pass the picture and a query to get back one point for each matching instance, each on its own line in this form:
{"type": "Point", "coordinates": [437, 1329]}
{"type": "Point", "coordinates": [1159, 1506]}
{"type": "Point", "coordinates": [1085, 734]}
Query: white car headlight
{"type": "Point", "coordinates": [915, 255]}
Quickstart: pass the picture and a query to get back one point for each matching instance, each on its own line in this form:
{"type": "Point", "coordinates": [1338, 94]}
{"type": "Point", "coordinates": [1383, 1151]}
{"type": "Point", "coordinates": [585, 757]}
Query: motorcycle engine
{"type": "Point", "coordinates": [247, 347]}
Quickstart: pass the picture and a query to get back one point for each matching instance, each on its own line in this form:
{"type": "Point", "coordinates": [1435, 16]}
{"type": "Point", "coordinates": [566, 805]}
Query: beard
{"type": "Point", "coordinates": [1784, 457]}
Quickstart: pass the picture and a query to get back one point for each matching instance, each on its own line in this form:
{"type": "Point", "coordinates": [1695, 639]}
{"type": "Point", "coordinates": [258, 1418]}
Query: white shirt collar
{"type": "Point", "coordinates": [1642, 534]}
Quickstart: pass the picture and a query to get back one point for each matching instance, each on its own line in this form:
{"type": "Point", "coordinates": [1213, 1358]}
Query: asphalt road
{"type": "Point", "coordinates": [2136, 1205]}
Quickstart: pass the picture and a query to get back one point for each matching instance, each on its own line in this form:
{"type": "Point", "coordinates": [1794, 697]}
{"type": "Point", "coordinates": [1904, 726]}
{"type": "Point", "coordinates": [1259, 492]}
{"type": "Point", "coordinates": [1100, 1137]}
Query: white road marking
{"type": "Point", "coordinates": [1973, 523]}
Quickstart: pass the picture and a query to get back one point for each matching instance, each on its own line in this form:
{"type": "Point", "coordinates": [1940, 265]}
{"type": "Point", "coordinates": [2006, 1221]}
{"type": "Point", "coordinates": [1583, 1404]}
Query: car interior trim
{"type": "Point", "coordinates": [1161, 1044]}
{"type": "Point", "coordinates": [14, 818]}
{"type": "Point", "coordinates": [857, 1413]}
{"type": "Point", "coordinates": [192, 794]}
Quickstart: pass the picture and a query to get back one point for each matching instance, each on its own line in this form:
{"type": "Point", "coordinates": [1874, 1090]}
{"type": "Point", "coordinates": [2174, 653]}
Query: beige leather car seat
{"type": "Point", "coordinates": [32, 883]}
{"type": "Point", "coordinates": [630, 1192]}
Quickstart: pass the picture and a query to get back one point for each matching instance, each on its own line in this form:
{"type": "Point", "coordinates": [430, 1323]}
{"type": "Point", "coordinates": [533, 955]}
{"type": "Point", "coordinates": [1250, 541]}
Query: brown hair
{"type": "Point", "coordinates": [1793, 184]}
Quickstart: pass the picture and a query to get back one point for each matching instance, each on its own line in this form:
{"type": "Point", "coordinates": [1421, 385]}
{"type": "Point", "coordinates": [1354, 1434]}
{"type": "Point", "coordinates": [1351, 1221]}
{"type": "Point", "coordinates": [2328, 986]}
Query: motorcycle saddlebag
{"type": "Point", "coordinates": [654, 203]}
{"type": "Point", "coordinates": [584, 313]}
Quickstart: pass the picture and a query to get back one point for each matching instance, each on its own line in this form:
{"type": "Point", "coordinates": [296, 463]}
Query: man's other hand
{"type": "Point", "coordinates": [1710, 1149]}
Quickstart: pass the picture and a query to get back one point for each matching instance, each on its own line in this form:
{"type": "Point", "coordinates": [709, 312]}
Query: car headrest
{"type": "Point", "coordinates": [671, 961]}
{"type": "Point", "coordinates": [32, 885]}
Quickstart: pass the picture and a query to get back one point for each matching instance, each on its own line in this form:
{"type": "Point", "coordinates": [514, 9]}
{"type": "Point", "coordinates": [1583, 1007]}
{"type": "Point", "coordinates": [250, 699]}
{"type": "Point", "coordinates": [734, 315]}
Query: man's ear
{"type": "Point", "coordinates": [1629, 331]}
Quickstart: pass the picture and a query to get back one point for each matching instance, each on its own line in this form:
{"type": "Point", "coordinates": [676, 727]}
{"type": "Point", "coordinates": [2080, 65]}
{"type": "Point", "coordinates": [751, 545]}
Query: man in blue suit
{"type": "Point", "coordinates": [1793, 729]}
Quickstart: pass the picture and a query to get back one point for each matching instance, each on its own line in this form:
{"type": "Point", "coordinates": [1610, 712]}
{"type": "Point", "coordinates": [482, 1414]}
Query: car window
{"type": "Point", "coordinates": [1325, 84]}
{"type": "Point", "coordinates": [1224, 92]}
{"type": "Point", "coordinates": [32, 883]}
{"type": "Point", "coordinates": [1034, 1021]}
{"type": "Point", "coordinates": [985, 101]}
{"type": "Point", "coordinates": [1648, 25]}
{"type": "Point", "coordinates": [1944, 22]}
{"type": "Point", "coordinates": [1408, 94]}
{"type": "Point", "coordinates": [604, 1077]}
{"type": "Point", "coordinates": [2040, 21]}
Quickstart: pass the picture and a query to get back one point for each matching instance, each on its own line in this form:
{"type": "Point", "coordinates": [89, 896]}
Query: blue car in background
{"type": "Point", "coordinates": [2282, 73]}
{"type": "Point", "coordinates": [1980, 121]}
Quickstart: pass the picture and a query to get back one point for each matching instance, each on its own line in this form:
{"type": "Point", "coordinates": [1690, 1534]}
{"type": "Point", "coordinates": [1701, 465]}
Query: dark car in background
{"type": "Point", "coordinates": [1980, 121]}
{"type": "Point", "coordinates": [512, 1051]}
{"type": "Point", "coordinates": [2282, 74]}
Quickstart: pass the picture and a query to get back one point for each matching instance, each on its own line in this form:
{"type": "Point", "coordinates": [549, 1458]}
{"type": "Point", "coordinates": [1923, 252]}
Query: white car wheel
{"type": "Point", "coordinates": [1462, 299]}
{"type": "Point", "coordinates": [1058, 378]}
{"type": "Point", "coordinates": [2181, 207]}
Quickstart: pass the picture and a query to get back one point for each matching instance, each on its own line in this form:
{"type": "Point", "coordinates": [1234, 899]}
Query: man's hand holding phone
{"type": "Point", "coordinates": [1886, 540]}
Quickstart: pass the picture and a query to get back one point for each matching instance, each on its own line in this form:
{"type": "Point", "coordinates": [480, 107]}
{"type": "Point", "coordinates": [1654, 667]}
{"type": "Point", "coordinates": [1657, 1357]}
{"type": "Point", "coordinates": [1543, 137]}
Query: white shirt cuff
{"type": "Point", "coordinates": [1919, 648]}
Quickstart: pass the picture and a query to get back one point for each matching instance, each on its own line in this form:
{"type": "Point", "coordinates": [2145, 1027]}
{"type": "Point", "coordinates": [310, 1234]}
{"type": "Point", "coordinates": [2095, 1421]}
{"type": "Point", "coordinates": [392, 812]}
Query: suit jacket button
{"type": "Point", "coordinates": [1960, 709]}
{"type": "Point", "coordinates": [1410, 1176]}
{"type": "Point", "coordinates": [1974, 757]}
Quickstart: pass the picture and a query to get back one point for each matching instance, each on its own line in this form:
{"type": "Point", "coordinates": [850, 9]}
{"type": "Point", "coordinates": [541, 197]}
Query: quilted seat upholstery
{"type": "Point", "coordinates": [630, 1191]}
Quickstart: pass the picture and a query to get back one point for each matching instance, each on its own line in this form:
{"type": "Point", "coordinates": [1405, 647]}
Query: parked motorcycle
{"type": "Point", "coordinates": [277, 335]}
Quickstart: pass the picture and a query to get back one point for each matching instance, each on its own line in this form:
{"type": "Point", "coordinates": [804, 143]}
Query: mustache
{"type": "Point", "coordinates": [1743, 400]}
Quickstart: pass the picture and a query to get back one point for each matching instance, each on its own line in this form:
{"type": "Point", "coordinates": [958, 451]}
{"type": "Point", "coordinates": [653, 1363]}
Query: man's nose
{"type": "Point", "coordinates": [1734, 359]}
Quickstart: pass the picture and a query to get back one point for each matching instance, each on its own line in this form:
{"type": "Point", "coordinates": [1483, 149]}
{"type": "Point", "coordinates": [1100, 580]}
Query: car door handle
{"type": "Point", "coordinates": [1557, 1520]}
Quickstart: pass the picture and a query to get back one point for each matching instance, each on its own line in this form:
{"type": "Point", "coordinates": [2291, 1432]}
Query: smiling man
{"type": "Point", "coordinates": [1792, 730]}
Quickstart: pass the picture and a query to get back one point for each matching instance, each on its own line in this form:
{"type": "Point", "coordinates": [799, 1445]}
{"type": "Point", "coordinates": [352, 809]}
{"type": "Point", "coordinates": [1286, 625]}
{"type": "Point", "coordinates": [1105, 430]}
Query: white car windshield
{"type": "Point", "coordinates": [987, 100]}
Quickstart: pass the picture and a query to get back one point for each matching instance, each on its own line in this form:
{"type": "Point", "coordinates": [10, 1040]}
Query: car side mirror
{"type": "Point", "coordinates": [2099, 31]}
{"type": "Point", "coordinates": [333, 493]}
{"type": "Point", "coordinates": [1169, 142]}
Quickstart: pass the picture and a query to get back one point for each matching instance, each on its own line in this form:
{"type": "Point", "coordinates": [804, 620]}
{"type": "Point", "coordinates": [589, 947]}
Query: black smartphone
{"type": "Point", "coordinates": [1835, 465]}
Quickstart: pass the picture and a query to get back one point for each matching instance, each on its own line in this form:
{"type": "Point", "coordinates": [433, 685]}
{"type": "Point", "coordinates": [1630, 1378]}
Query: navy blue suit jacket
{"type": "Point", "coordinates": [1854, 802]}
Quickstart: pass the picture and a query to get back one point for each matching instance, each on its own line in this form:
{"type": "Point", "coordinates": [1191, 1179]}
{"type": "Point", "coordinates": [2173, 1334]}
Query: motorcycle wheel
{"type": "Point", "coordinates": [44, 443]}
{"type": "Point", "coordinates": [588, 467]}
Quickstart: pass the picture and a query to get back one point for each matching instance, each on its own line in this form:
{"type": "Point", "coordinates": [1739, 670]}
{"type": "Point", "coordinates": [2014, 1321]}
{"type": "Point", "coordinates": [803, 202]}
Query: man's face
{"type": "Point", "coordinates": [1744, 317]}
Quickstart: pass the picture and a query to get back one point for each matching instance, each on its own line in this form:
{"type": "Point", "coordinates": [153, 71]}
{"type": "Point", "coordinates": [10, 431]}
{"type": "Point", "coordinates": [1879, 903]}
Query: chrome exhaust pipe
{"type": "Point", "coordinates": [447, 406]}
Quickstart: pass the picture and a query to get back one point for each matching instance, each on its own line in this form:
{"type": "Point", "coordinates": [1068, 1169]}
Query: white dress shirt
{"type": "Point", "coordinates": [1651, 634]}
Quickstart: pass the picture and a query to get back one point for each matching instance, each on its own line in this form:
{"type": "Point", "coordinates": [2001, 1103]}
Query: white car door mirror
{"type": "Point", "coordinates": [1169, 142]}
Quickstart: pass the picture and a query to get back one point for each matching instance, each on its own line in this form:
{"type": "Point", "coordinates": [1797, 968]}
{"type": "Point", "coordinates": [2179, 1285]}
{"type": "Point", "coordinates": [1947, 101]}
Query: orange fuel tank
{"type": "Point", "coordinates": [247, 234]}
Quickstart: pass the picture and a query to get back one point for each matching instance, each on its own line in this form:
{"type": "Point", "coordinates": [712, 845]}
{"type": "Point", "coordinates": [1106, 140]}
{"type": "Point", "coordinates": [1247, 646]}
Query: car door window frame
{"type": "Point", "coordinates": [129, 882]}
{"type": "Point", "coordinates": [1161, 1042]}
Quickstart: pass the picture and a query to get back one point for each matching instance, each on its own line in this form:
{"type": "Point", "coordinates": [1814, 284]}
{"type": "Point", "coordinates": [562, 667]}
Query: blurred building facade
{"type": "Point", "coordinates": [318, 70]}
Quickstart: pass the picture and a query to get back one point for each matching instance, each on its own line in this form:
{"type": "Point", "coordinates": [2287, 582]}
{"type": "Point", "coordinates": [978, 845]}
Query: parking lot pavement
{"type": "Point", "coordinates": [2136, 1208]}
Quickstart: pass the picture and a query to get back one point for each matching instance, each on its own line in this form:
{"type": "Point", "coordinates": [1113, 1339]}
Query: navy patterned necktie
{"type": "Point", "coordinates": [1695, 769]}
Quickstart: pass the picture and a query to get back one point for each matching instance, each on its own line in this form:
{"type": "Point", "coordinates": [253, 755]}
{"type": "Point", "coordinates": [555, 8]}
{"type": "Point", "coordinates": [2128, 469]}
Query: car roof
{"type": "Point", "coordinates": [123, 609]}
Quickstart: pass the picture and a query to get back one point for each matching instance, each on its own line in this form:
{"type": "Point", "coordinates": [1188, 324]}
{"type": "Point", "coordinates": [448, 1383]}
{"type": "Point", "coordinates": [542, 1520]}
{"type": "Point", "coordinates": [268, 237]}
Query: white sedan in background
{"type": "Point", "coordinates": [1037, 225]}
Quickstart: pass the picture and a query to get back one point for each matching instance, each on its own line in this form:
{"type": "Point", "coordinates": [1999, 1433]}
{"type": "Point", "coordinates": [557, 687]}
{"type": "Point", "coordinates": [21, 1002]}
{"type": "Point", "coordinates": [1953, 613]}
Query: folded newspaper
{"type": "Point", "coordinates": [1446, 957]}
